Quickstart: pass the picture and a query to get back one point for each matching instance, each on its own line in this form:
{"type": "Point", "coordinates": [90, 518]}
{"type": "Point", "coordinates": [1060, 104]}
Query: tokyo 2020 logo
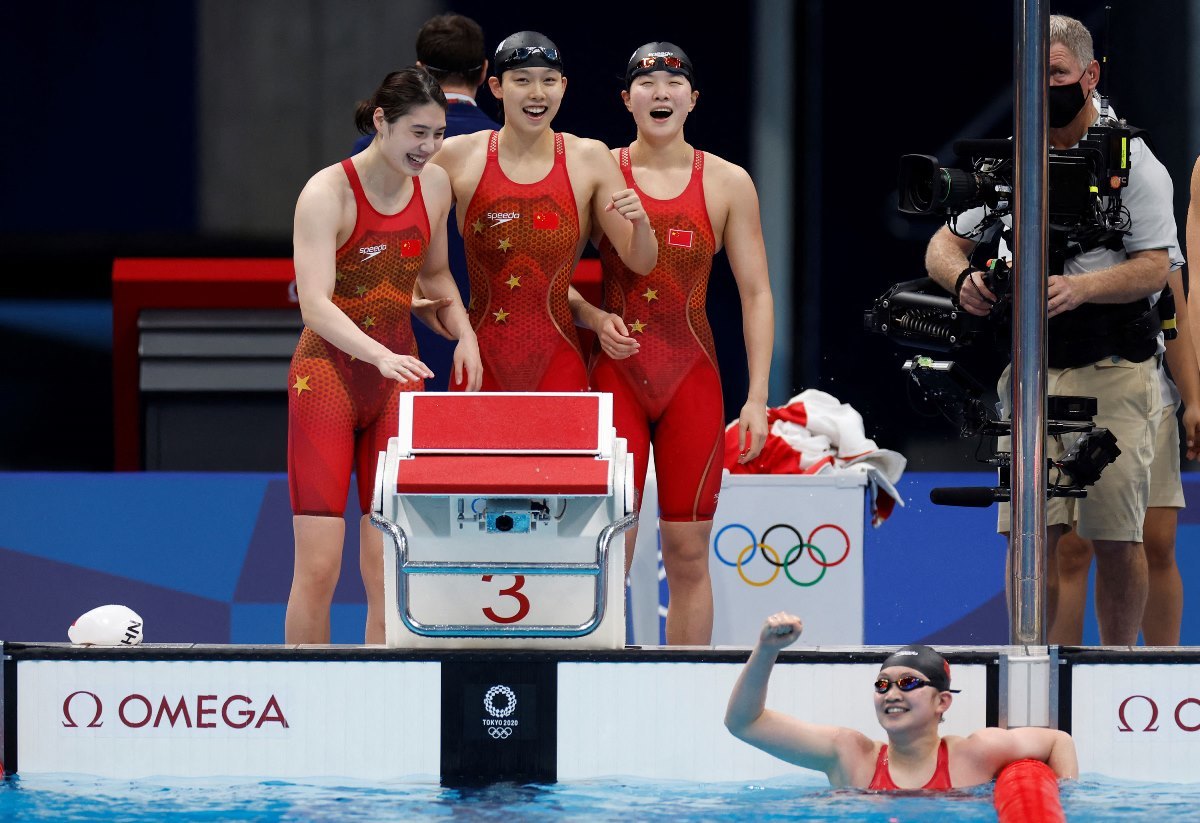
{"type": "Point", "coordinates": [776, 558]}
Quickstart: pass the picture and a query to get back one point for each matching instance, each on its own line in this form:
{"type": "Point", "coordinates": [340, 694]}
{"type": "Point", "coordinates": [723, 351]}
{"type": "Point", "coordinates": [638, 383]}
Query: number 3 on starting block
{"type": "Point", "coordinates": [505, 536]}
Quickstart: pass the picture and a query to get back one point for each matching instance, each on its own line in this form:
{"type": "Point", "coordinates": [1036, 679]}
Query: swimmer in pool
{"type": "Point", "coordinates": [912, 693]}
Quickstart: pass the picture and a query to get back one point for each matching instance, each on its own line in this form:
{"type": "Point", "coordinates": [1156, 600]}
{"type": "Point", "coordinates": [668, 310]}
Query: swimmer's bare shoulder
{"type": "Point", "coordinates": [458, 150]}
{"type": "Point", "coordinates": [727, 187]}
{"type": "Point", "coordinates": [463, 157]}
{"type": "Point", "coordinates": [591, 163]}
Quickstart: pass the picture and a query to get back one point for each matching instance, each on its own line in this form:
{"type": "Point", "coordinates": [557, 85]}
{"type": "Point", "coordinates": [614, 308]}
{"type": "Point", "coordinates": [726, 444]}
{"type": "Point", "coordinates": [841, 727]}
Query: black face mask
{"type": "Point", "coordinates": [1063, 103]}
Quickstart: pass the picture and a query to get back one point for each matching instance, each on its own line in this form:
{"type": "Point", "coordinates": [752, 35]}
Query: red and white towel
{"type": "Point", "coordinates": [815, 433]}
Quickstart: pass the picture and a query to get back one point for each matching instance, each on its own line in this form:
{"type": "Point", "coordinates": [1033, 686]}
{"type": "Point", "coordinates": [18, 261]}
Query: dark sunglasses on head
{"type": "Point", "coordinates": [523, 53]}
{"type": "Point", "coordinates": [906, 683]}
{"type": "Point", "coordinates": [670, 61]}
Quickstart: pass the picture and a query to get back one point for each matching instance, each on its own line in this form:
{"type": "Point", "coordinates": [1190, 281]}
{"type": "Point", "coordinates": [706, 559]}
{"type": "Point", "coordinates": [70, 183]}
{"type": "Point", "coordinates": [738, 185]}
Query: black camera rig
{"type": "Point", "coordinates": [1085, 212]}
{"type": "Point", "coordinates": [959, 397]}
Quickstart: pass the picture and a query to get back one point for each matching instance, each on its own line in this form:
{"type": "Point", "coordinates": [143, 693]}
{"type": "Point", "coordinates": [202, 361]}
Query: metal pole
{"type": "Point", "coordinates": [1027, 541]}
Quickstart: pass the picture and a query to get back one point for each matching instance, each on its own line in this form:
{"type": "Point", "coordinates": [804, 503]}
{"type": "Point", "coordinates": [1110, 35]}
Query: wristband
{"type": "Point", "coordinates": [962, 278]}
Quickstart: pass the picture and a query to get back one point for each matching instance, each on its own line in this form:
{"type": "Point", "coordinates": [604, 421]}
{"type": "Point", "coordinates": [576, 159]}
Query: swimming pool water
{"type": "Point", "coordinates": [79, 798]}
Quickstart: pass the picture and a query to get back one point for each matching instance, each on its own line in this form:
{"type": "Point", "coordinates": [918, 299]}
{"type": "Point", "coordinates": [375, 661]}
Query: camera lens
{"type": "Point", "coordinates": [504, 523]}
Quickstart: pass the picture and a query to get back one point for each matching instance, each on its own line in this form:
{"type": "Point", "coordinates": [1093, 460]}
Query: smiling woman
{"type": "Point", "coordinates": [915, 756]}
{"type": "Point", "coordinates": [529, 198]}
{"type": "Point", "coordinates": [366, 233]}
{"type": "Point", "coordinates": [657, 354]}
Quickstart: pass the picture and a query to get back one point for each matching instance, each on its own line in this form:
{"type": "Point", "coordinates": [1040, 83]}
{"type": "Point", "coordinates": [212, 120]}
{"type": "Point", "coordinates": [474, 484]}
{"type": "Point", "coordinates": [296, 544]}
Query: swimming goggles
{"type": "Point", "coordinates": [905, 682]}
{"type": "Point", "coordinates": [670, 61]}
{"type": "Point", "coordinates": [523, 53]}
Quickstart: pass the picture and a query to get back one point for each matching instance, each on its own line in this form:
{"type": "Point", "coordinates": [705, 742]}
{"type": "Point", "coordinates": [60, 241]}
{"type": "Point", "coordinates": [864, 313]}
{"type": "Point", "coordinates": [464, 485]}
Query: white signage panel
{"type": "Point", "coordinates": [665, 721]}
{"type": "Point", "coordinates": [1137, 721]}
{"type": "Point", "coordinates": [130, 719]}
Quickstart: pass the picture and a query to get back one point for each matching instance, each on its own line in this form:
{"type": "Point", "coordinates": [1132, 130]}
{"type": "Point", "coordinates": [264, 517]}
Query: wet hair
{"type": "Point", "coordinates": [398, 94]}
{"type": "Point", "coordinates": [451, 48]}
{"type": "Point", "coordinates": [1074, 35]}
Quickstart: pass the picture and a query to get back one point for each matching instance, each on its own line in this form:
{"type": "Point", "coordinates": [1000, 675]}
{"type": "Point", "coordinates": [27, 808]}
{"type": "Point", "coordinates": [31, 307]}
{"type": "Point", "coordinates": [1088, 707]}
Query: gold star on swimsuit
{"type": "Point", "coordinates": [302, 384]}
{"type": "Point", "coordinates": [360, 290]}
{"type": "Point", "coordinates": [478, 226]}
{"type": "Point", "coordinates": [513, 281]}
{"type": "Point", "coordinates": [651, 294]}
{"type": "Point", "coordinates": [505, 245]}
{"type": "Point", "coordinates": [368, 323]}
{"type": "Point", "coordinates": [638, 327]}
{"type": "Point", "coordinates": [501, 316]}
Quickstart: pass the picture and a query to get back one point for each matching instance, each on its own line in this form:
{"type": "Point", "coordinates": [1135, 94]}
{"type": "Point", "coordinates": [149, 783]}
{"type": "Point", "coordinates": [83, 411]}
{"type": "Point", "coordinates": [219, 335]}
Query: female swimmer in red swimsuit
{"type": "Point", "coordinates": [528, 199]}
{"type": "Point", "coordinates": [912, 693]}
{"type": "Point", "coordinates": [367, 231]}
{"type": "Point", "coordinates": [657, 356]}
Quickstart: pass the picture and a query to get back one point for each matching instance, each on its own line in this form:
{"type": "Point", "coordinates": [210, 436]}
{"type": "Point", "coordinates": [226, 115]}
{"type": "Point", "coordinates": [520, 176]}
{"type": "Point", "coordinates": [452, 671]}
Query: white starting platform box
{"type": "Point", "coordinates": [504, 512]}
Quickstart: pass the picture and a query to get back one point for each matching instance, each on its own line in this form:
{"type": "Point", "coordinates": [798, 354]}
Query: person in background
{"type": "Point", "coordinates": [1163, 615]}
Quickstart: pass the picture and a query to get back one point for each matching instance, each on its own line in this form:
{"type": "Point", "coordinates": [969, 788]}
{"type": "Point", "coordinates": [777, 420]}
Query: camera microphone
{"type": "Point", "coordinates": [995, 149]}
{"type": "Point", "coordinates": [979, 497]}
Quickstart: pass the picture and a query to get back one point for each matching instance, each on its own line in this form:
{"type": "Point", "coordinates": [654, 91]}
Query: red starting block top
{"type": "Point", "coordinates": [503, 474]}
{"type": "Point", "coordinates": [490, 422]}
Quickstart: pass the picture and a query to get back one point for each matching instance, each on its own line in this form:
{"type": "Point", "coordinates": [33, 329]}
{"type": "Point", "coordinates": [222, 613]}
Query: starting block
{"type": "Point", "coordinates": [504, 512]}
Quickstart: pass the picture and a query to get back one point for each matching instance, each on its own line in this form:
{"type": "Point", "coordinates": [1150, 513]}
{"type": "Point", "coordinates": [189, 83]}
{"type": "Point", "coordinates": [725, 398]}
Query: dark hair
{"type": "Point", "coordinates": [398, 94]}
{"type": "Point", "coordinates": [450, 47]}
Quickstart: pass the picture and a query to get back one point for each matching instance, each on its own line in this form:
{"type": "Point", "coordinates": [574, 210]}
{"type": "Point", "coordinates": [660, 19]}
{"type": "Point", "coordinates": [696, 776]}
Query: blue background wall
{"type": "Point", "coordinates": [207, 558]}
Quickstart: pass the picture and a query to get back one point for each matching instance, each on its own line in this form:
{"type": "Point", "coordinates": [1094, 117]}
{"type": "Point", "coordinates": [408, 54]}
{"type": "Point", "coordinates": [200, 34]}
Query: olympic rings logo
{"type": "Point", "coordinates": [500, 734]}
{"type": "Point", "coordinates": [790, 557]}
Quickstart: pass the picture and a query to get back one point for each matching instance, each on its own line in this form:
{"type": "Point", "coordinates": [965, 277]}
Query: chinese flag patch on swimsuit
{"type": "Point", "coordinates": [410, 248]}
{"type": "Point", "coordinates": [545, 220]}
{"type": "Point", "coordinates": [679, 237]}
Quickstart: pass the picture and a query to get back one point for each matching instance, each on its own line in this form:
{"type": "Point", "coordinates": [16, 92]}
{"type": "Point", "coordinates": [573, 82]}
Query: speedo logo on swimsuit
{"type": "Point", "coordinates": [502, 217]}
{"type": "Point", "coordinates": [371, 251]}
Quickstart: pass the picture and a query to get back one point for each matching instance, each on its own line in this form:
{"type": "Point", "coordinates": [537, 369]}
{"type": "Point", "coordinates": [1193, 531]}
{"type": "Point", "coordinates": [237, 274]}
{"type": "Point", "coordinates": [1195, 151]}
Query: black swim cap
{"type": "Point", "coordinates": [659, 56]}
{"type": "Point", "coordinates": [526, 49]}
{"type": "Point", "coordinates": [926, 661]}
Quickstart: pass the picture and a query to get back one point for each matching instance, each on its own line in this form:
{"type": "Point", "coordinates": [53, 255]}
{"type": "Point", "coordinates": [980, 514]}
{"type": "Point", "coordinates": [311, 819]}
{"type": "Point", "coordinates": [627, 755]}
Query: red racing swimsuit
{"type": "Point", "coordinates": [940, 781]}
{"type": "Point", "coordinates": [521, 240]}
{"type": "Point", "coordinates": [670, 390]}
{"type": "Point", "coordinates": [341, 411]}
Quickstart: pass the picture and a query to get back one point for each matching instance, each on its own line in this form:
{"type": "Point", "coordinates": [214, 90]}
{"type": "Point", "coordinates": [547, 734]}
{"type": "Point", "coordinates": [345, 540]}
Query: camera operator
{"type": "Point", "coordinates": [1101, 342]}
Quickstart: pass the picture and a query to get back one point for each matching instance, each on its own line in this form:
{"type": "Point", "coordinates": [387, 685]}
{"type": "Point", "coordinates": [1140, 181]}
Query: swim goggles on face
{"type": "Point", "coordinates": [906, 683]}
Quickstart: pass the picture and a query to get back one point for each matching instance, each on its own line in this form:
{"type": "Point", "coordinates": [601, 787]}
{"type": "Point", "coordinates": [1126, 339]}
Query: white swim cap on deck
{"type": "Point", "coordinates": [110, 625]}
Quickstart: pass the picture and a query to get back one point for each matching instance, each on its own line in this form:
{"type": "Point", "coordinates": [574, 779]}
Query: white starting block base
{"type": "Point", "coordinates": [505, 516]}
